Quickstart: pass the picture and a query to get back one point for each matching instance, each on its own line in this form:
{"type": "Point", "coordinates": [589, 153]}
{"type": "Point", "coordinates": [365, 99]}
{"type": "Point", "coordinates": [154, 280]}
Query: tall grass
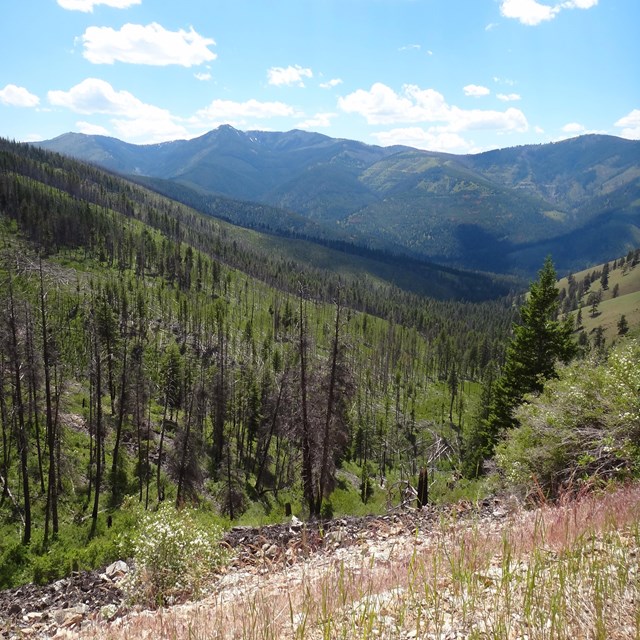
{"type": "Point", "coordinates": [568, 571]}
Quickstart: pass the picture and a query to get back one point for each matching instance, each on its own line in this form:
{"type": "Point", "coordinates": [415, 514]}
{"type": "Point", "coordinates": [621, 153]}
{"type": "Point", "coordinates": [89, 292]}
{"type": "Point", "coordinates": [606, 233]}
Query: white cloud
{"type": "Point", "coordinates": [319, 121]}
{"type": "Point", "coordinates": [424, 139]}
{"type": "Point", "coordinates": [475, 91]}
{"type": "Point", "coordinates": [91, 129]}
{"type": "Point", "coordinates": [160, 126]}
{"type": "Point", "coordinates": [221, 111]}
{"type": "Point", "coordinates": [491, 26]}
{"type": "Point", "coordinates": [331, 83]}
{"type": "Point", "coordinates": [97, 96]}
{"type": "Point", "coordinates": [379, 105]}
{"type": "Point", "coordinates": [133, 119]}
{"type": "Point", "coordinates": [538, 129]}
{"type": "Point", "coordinates": [87, 6]}
{"type": "Point", "coordinates": [151, 44]}
{"type": "Point", "coordinates": [506, 81]}
{"type": "Point", "coordinates": [288, 76]}
{"type": "Point", "coordinates": [204, 77]}
{"type": "Point", "coordinates": [630, 125]}
{"type": "Point", "coordinates": [508, 97]}
{"type": "Point", "coordinates": [574, 127]}
{"type": "Point", "coordinates": [14, 96]}
{"type": "Point", "coordinates": [579, 4]}
{"type": "Point", "coordinates": [474, 119]}
{"type": "Point", "coordinates": [527, 12]}
{"type": "Point", "coordinates": [411, 47]}
{"type": "Point", "coordinates": [532, 13]}
{"type": "Point", "coordinates": [382, 105]}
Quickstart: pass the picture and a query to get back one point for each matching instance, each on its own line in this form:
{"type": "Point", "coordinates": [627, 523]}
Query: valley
{"type": "Point", "coordinates": [158, 356]}
{"type": "Point", "coordinates": [164, 359]}
{"type": "Point", "coordinates": [499, 211]}
{"type": "Point", "coordinates": [320, 320]}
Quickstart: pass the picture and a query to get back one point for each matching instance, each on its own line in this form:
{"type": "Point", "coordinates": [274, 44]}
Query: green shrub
{"type": "Point", "coordinates": [583, 429]}
{"type": "Point", "coordinates": [49, 567]}
{"type": "Point", "coordinates": [173, 555]}
{"type": "Point", "coordinates": [13, 561]}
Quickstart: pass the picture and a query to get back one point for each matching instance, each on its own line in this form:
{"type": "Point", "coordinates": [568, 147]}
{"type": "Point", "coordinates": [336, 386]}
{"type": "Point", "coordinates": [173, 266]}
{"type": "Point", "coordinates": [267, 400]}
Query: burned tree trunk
{"type": "Point", "coordinates": [423, 488]}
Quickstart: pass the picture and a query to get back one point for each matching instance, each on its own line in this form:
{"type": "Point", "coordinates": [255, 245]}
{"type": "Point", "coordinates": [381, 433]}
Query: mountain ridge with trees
{"type": "Point", "coordinates": [497, 211]}
{"type": "Point", "coordinates": [149, 355]}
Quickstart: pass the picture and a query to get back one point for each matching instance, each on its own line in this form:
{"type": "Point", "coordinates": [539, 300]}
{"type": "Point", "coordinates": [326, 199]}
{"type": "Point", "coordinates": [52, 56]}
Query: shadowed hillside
{"type": "Point", "coordinates": [499, 211]}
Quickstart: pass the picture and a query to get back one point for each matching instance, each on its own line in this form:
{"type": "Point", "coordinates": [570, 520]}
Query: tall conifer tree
{"type": "Point", "coordinates": [540, 340]}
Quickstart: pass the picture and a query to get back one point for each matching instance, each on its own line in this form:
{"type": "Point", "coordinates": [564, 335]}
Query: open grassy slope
{"type": "Point", "coordinates": [621, 297]}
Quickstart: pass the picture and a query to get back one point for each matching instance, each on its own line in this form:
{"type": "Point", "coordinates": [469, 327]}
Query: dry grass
{"type": "Point", "coordinates": [568, 571]}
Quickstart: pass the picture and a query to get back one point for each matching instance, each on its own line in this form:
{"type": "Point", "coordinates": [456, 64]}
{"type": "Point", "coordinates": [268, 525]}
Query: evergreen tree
{"type": "Point", "coordinates": [594, 301]}
{"type": "Point", "coordinates": [598, 340]}
{"type": "Point", "coordinates": [538, 342]}
{"type": "Point", "coordinates": [604, 278]}
{"type": "Point", "coordinates": [475, 437]}
{"type": "Point", "coordinates": [623, 325]}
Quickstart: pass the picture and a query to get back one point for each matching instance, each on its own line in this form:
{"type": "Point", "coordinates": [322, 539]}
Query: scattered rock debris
{"type": "Point", "coordinates": [42, 611]}
{"type": "Point", "coordinates": [86, 597]}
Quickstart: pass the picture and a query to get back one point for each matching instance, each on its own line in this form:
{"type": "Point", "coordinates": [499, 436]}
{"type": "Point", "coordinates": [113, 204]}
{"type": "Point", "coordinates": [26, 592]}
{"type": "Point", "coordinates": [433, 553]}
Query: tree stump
{"type": "Point", "coordinates": [423, 488]}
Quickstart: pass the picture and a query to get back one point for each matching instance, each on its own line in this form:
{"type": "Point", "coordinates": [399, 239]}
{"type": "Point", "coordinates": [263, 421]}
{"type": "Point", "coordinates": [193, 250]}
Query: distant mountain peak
{"type": "Point", "coordinates": [501, 210]}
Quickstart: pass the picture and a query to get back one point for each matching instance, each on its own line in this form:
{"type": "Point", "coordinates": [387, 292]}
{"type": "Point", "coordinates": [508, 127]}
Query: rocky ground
{"type": "Point", "coordinates": [40, 611]}
{"type": "Point", "coordinates": [494, 570]}
{"type": "Point", "coordinates": [68, 605]}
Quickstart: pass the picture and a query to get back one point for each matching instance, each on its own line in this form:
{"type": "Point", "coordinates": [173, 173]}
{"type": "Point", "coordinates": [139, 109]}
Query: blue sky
{"type": "Point", "coordinates": [446, 75]}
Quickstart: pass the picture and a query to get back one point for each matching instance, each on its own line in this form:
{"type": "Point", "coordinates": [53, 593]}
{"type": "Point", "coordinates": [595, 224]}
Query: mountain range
{"type": "Point", "coordinates": [501, 211]}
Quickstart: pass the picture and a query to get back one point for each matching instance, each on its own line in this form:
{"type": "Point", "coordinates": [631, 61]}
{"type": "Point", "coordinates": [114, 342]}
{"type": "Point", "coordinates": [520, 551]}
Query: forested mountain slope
{"type": "Point", "coordinates": [499, 211]}
{"type": "Point", "coordinates": [151, 353]}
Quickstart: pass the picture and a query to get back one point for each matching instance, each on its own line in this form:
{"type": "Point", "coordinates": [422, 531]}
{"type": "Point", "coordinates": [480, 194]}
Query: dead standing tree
{"type": "Point", "coordinates": [307, 464]}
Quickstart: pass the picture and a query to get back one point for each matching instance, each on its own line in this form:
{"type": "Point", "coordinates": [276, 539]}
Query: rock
{"type": "Point", "coordinates": [335, 537]}
{"type": "Point", "coordinates": [70, 617]}
{"type": "Point", "coordinates": [29, 631]}
{"type": "Point", "coordinates": [117, 570]}
{"type": "Point", "coordinates": [59, 616]}
{"type": "Point", "coordinates": [33, 616]}
{"type": "Point", "coordinates": [68, 602]}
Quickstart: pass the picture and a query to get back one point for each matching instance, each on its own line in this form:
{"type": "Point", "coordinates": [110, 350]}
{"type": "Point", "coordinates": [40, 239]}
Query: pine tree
{"type": "Point", "coordinates": [172, 374]}
{"type": "Point", "coordinates": [604, 279]}
{"type": "Point", "coordinates": [538, 343]}
{"type": "Point", "coordinates": [623, 325]}
{"type": "Point", "coordinates": [594, 301]}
